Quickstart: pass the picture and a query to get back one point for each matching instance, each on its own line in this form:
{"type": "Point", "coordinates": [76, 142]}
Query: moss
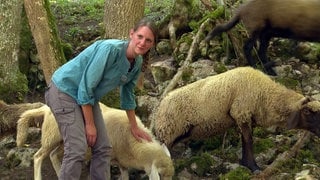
{"type": "Point", "coordinates": [295, 164]}
{"type": "Point", "coordinates": [12, 161]}
{"type": "Point", "coordinates": [313, 146]}
{"type": "Point", "coordinates": [240, 173]}
{"type": "Point", "coordinates": [230, 144]}
{"type": "Point", "coordinates": [200, 165]}
{"type": "Point", "coordinates": [55, 41]}
{"type": "Point", "coordinates": [261, 145]}
{"type": "Point", "coordinates": [112, 99]}
{"type": "Point", "coordinates": [193, 24]}
{"type": "Point", "coordinates": [213, 15]}
{"type": "Point", "coordinates": [26, 44]}
{"type": "Point", "coordinates": [217, 13]}
{"type": "Point", "coordinates": [180, 164]}
{"type": "Point", "coordinates": [259, 132]}
{"type": "Point", "coordinates": [292, 165]}
{"type": "Point", "coordinates": [13, 89]}
{"type": "Point", "coordinates": [314, 54]}
{"type": "Point", "coordinates": [220, 68]}
{"type": "Point", "coordinates": [282, 48]}
{"type": "Point", "coordinates": [213, 143]}
{"type": "Point", "coordinates": [288, 82]}
{"type": "Point", "coordinates": [186, 74]}
{"type": "Point", "coordinates": [67, 50]}
{"type": "Point", "coordinates": [204, 162]}
{"type": "Point", "coordinates": [307, 156]}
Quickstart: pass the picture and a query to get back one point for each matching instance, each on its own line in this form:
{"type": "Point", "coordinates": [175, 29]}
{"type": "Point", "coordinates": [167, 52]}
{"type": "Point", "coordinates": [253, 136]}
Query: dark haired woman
{"type": "Point", "coordinates": [77, 87]}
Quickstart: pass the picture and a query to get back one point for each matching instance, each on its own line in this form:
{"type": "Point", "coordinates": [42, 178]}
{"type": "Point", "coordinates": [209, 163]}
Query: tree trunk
{"type": "Point", "coordinates": [13, 84]}
{"type": "Point", "coordinates": [120, 16]}
{"type": "Point", "coordinates": [45, 34]}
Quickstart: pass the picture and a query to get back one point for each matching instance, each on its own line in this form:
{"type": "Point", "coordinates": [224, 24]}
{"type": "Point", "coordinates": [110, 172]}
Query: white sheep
{"type": "Point", "coordinates": [127, 152]}
{"type": "Point", "coordinates": [242, 97]}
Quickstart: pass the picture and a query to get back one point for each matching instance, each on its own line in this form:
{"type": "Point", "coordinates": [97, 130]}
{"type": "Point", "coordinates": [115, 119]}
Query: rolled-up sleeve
{"type": "Point", "coordinates": [93, 74]}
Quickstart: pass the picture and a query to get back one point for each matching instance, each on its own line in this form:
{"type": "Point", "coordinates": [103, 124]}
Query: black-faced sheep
{"type": "Point", "coordinates": [264, 19]}
{"type": "Point", "coordinates": [242, 97]}
{"type": "Point", "coordinates": [127, 152]}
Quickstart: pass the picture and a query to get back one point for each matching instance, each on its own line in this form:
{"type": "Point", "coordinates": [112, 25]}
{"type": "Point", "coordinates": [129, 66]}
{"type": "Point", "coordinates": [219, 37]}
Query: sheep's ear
{"type": "Point", "coordinates": [165, 149]}
{"type": "Point", "coordinates": [293, 120]}
{"type": "Point", "coordinates": [304, 101]}
{"type": "Point", "coordinates": [154, 175]}
{"type": "Point", "coordinates": [294, 117]}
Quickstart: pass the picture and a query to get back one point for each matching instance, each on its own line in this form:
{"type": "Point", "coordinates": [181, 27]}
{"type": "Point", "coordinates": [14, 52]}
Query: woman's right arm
{"type": "Point", "coordinates": [90, 128]}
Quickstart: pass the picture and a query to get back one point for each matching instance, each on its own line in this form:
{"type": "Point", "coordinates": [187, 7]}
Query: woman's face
{"type": "Point", "coordinates": [141, 40]}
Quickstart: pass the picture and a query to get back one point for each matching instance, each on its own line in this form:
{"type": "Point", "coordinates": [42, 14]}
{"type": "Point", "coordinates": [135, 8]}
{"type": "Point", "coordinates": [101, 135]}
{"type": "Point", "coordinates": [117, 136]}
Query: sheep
{"type": "Point", "coordinates": [242, 97]}
{"type": "Point", "coordinates": [264, 19]}
{"type": "Point", "coordinates": [127, 152]}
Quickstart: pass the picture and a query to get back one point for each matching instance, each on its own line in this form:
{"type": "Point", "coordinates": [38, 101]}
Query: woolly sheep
{"type": "Point", "coordinates": [242, 97]}
{"type": "Point", "coordinates": [127, 152]}
{"type": "Point", "coordinates": [264, 19]}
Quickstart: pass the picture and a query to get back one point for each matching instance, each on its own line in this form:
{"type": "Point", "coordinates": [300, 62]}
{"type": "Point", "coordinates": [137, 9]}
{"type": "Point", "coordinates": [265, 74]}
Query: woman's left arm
{"type": "Point", "coordinates": [137, 132]}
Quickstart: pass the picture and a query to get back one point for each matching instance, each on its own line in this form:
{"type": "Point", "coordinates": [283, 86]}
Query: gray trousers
{"type": "Point", "coordinates": [69, 117]}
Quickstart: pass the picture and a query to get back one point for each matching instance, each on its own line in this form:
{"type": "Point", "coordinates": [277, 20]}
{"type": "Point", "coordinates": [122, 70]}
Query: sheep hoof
{"type": "Point", "coordinates": [255, 172]}
{"type": "Point", "coordinates": [271, 72]}
{"type": "Point", "coordinates": [268, 68]}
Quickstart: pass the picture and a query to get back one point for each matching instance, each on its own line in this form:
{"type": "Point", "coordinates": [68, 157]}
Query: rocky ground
{"type": "Point", "coordinates": [215, 158]}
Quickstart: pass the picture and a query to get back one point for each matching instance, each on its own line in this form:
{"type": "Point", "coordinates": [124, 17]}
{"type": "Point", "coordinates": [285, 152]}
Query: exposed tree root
{"type": "Point", "coordinates": [273, 168]}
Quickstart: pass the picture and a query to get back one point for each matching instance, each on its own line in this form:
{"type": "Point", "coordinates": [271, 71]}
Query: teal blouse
{"type": "Point", "coordinates": [97, 70]}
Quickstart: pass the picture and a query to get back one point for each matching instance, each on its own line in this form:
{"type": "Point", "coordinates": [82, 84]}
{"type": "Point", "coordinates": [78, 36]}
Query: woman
{"type": "Point", "coordinates": [77, 87]}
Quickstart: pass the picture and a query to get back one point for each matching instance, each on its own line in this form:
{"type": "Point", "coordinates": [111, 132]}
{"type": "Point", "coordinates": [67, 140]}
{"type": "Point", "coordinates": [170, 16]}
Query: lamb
{"type": "Point", "coordinates": [264, 19]}
{"type": "Point", "coordinates": [127, 152]}
{"type": "Point", "coordinates": [242, 97]}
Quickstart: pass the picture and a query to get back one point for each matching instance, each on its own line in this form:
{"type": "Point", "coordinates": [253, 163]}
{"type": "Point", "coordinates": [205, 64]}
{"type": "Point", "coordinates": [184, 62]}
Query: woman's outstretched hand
{"type": "Point", "coordinates": [139, 134]}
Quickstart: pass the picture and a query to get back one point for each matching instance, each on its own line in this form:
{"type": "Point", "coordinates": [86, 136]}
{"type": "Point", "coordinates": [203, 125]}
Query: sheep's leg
{"type": "Point", "coordinates": [54, 157]}
{"type": "Point", "coordinates": [37, 160]}
{"type": "Point", "coordinates": [247, 49]}
{"type": "Point", "coordinates": [247, 148]}
{"type": "Point", "coordinates": [124, 173]}
{"type": "Point", "coordinates": [153, 172]}
{"type": "Point", "coordinates": [264, 39]}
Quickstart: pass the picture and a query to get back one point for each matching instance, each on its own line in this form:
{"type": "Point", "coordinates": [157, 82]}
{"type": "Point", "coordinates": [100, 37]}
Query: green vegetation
{"type": "Point", "coordinates": [289, 82]}
{"type": "Point", "coordinates": [240, 173]}
{"type": "Point", "coordinates": [80, 23]}
{"type": "Point", "coordinates": [200, 165]}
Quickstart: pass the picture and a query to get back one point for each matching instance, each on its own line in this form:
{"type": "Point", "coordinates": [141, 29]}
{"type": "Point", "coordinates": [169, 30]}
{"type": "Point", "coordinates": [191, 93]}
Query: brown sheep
{"type": "Point", "coordinates": [242, 97]}
{"type": "Point", "coordinates": [264, 19]}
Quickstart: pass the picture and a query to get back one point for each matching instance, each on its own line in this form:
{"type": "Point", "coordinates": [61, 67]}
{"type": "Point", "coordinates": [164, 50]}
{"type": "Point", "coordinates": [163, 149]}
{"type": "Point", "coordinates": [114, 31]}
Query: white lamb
{"type": "Point", "coordinates": [242, 97]}
{"type": "Point", "coordinates": [151, 157]}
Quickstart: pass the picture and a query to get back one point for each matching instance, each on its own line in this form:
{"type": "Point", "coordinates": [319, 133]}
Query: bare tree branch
{"type": "Point", "coordinates": [272, 168]}
{"type": "Point", "coordinates": [193, 49]}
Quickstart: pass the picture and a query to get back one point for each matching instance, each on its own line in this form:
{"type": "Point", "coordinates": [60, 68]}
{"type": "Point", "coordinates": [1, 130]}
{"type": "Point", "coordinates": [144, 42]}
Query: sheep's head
{"type": "Point", "coordinates": [308, 117]}
{"type": "Point", "coordinates": [162, 168]}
